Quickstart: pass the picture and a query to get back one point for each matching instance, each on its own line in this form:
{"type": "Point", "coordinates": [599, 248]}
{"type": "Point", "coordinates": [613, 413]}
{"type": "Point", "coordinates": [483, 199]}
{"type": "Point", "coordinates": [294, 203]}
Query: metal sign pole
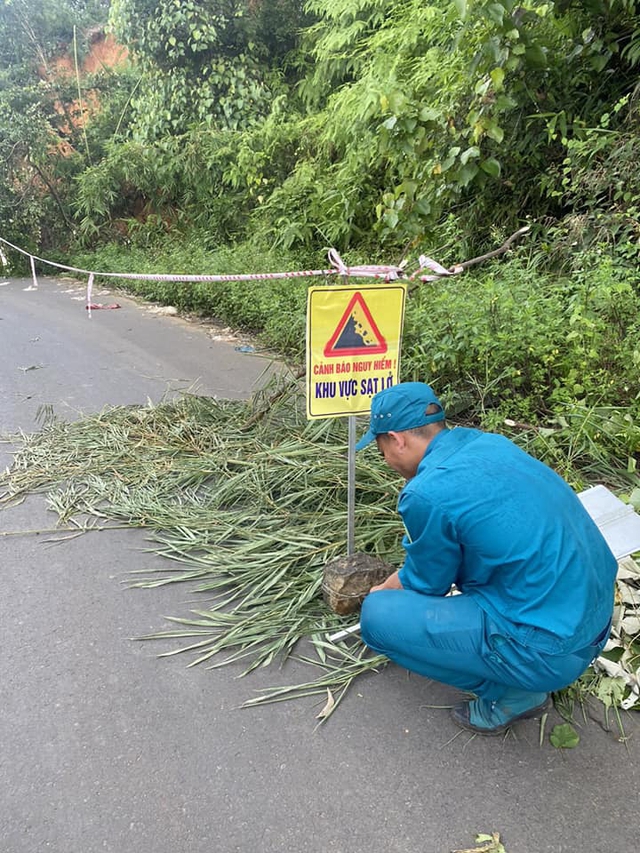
{"type": "Point", "coordinates": [351, 478]}
{"type": "Point", "coordinates": [351, 487]}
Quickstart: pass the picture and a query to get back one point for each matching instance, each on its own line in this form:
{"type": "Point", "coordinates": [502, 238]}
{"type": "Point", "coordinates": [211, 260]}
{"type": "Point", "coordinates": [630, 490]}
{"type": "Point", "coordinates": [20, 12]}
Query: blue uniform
{"type": "Point", "coordinates": [535, 573]}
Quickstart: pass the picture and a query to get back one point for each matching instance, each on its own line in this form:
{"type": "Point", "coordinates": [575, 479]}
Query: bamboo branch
{"type": "Point", "coordinates": [436, 271]}
{"type": "Point", "coordinates": [270, 402]}
{"type": "Point", "coordinates": [504, 248]}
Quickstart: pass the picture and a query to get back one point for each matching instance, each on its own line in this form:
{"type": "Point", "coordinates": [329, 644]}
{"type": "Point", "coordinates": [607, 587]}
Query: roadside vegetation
{"type": "Point", "coordinates": [248, 136]}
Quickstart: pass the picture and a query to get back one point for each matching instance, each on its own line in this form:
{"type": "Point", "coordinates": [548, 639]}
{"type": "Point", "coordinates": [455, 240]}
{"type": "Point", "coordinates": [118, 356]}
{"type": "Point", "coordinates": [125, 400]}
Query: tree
{"type": "Point", "coordinates": [209, 62]}
{"type": "Point", "coordinates": [40, 119]}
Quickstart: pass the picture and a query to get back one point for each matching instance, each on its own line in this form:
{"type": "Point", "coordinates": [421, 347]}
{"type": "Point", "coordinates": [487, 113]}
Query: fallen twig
{"type": "Point", "coordinates": [504, 248]}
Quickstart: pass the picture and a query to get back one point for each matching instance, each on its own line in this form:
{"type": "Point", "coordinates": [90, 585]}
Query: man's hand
{"type": "Point", "coordinates": [392, 582]}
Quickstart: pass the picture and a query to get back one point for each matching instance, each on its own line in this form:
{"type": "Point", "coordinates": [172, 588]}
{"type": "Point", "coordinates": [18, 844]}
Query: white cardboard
{"type": "Point", "coordinates": [617, 521]}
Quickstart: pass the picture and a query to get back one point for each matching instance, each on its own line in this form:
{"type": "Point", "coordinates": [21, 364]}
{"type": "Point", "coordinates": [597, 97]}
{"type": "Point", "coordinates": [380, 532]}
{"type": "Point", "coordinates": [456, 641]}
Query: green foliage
{"type": "Point", "coordinates": [527, 334]}
{"type": "Point", "coordinates": [598, 184]}
{"type": "Point", "coordinates": [208, 181]}
{"type": "Point", "coordinates": [203, 63]}
{"type": "Point", "coordinates": [410, 111]}
{"type": "Point", "coordinates": [413, 109]}
{"type": "Point", "coordinates": [36, 30]}
{"type": "Point", "coordinates": [606, 32]}
{"type": "Point", "coordinates": [44, 140]}
{"type": "Point", "coordinates": [429, 97]}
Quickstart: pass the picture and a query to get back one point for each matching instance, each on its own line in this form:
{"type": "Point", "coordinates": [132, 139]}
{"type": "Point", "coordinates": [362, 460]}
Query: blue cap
{"type": "Point", "coordinates": [399, 408]}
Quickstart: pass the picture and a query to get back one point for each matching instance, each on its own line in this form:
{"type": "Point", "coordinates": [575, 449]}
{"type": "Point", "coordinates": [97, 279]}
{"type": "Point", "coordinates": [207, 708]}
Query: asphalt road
{"type": "Point", "coordinates": [105, 747]}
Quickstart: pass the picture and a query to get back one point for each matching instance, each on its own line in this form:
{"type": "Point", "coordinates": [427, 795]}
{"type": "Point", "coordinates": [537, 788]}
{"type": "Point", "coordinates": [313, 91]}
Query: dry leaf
{"type": "Point", "coordinates": [328, 708]}
{"type": "Point", "coordinates": [628, 594]}
{"type": "Point", "coordinates": [631, 625]}
{"type": "Point", "coordinates": [628, 568]}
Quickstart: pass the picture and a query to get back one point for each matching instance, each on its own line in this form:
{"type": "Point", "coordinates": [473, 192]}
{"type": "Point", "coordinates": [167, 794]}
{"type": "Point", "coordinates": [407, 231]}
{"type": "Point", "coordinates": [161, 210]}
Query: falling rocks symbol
{"type": "Point", "coordinates": [352, 336]}
{"type": "Point", "coordinates": [356, 332]}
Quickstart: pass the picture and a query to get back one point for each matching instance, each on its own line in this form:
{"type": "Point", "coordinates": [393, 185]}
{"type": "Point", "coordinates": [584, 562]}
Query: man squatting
{"type": "Point", "coordinates": [536, 576]}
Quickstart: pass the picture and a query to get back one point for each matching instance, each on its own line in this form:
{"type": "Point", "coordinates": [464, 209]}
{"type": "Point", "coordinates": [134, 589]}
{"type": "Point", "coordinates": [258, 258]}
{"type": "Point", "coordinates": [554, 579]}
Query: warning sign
{"type": "Point", "coordinates": [353, 346]}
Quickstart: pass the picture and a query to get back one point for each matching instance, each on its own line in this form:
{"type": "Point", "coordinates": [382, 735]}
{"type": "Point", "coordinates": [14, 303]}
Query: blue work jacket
{"type": "Point", "coordinates": [504, 528]}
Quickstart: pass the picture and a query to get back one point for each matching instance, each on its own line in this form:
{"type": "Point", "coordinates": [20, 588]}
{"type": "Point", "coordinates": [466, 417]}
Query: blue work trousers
{"type": "Point", "coordinates": [452, 640]}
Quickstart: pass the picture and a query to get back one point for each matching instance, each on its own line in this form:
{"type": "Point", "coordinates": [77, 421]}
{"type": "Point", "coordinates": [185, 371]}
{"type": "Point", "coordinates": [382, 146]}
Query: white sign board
{"type": "Point", "coordinates": [617, 521]}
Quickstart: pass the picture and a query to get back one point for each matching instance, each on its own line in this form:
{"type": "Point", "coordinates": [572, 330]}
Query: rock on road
{"type": "Point", "coordinates": [105, 747]}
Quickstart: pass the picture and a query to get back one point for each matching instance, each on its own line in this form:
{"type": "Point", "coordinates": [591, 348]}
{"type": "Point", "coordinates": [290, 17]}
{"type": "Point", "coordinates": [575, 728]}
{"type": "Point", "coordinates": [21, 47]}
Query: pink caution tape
{"type": "Point", "coordinates": [434, 266]}
{"type": "Point", "coordinates": [387, 272]}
